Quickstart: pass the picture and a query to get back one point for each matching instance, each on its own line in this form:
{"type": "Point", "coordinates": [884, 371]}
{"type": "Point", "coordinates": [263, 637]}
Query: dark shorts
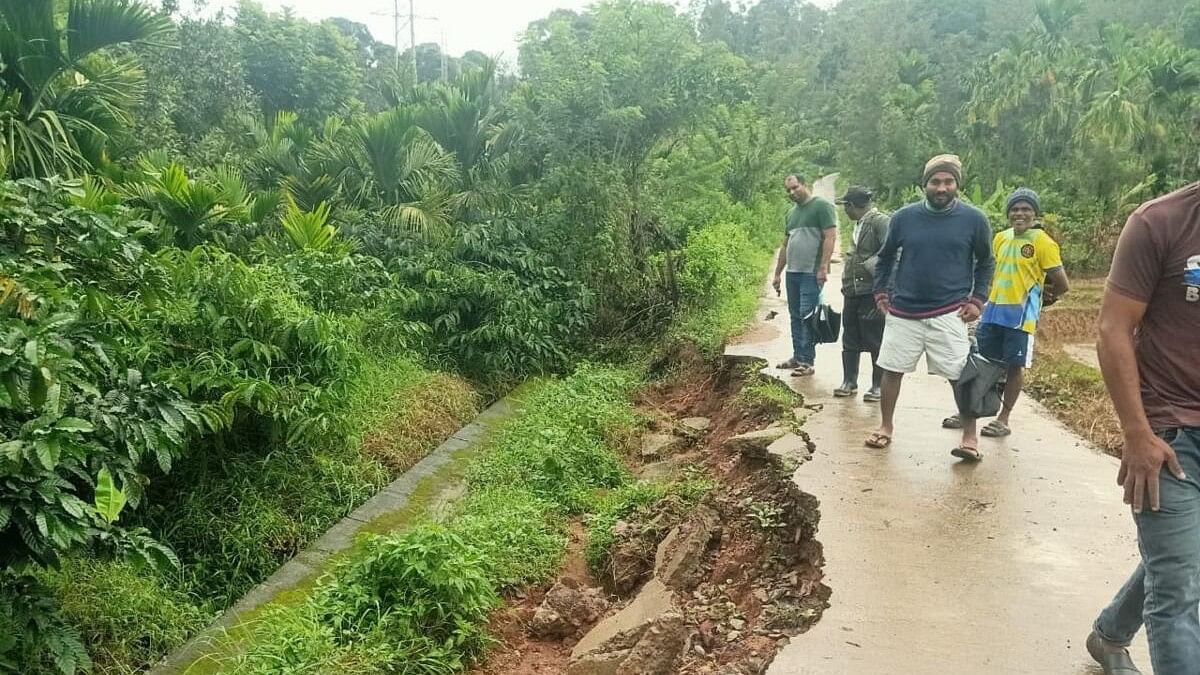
{"type": "Point", "coordinates": [1000, 343]}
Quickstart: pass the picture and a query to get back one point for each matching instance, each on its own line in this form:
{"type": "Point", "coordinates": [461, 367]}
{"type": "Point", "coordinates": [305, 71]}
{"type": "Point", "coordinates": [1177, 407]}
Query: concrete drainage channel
{"type": "Point", "coordinates": [427, 489]}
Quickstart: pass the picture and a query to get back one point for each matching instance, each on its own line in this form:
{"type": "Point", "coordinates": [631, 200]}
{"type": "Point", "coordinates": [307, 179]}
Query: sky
{"type": "Point", "coordinates": [489, 26]}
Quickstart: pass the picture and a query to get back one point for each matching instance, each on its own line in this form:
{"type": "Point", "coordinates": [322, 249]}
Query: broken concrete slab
{"type": "Point", "coordinates": [657, 446]}
{"type": "Point", "coordinates": [600, 664]}
{"type": "Point", "coordinates": [695, 427]}
{"type": "Point", "coordinates": [791, 451]}
{"type": "Point", "coordinates": [680, 556]}
{"type": "Point", "coordinates": [647, 637]}
{"type": "Point", "coordinates": [623, 629]}
{"type": "Point", "coordinates": [660, 647]}
{"type": "Point", "coordinates": [755, 443]}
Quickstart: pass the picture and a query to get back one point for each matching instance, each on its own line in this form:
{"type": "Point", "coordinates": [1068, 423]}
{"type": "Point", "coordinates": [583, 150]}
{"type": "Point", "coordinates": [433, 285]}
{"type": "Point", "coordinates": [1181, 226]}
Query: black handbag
{"type": "Point", "coordinates": [824, 324]}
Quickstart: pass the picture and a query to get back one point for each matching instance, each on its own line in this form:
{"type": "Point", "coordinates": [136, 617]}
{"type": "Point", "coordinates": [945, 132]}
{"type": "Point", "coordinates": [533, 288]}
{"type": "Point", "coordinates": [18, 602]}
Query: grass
{"type": "Point", "coordinates": [236, 516]}
{"type": "Point", "coordinates": [634, 500]}
{"type": "Point", "coordinates": [417, 602]}
{"type": "Point", "coordinates": [767, 396]}
{"type": "Point", "coordinates": [130, 617]}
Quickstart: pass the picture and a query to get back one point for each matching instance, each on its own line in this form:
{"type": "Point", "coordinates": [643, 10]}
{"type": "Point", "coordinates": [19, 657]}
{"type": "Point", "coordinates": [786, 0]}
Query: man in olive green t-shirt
{"type": "Point", "coordinates": [810, 232]}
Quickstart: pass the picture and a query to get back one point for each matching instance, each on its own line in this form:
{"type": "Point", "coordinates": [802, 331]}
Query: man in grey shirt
{"type": "Point", "coordinates": [810, 232]}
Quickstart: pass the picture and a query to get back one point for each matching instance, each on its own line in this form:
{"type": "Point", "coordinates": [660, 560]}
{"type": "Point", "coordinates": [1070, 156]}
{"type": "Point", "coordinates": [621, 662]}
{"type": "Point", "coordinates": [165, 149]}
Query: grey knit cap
{"type": "Point", "coordinates": [1026, 195]}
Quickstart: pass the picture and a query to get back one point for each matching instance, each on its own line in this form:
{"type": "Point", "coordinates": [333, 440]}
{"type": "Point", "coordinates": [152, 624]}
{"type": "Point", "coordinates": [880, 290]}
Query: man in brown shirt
{"type": "Point", "coordinates": [1150, 355]}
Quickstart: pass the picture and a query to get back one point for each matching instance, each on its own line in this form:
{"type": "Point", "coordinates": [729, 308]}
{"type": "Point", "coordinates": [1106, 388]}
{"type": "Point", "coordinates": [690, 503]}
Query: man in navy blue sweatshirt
{"type": "Point", "coordinates": [939, 285]}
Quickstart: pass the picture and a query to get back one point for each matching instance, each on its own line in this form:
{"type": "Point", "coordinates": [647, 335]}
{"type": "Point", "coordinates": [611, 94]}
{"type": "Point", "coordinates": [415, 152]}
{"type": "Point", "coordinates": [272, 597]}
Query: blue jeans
{"type": "Point", "coordinates": [803, 294]}
{"type": "Point", "coordinates": [1164, 592]}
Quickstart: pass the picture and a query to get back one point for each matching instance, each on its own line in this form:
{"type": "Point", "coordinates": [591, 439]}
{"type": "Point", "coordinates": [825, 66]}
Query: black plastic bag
{"type": "Point", "coordinates": [979, 391]}
{"type": "Point", "coordinates": [824, 324]}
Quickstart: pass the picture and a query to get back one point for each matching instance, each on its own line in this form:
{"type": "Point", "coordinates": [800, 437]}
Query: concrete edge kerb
{"type": "Point", "coordinates": [340, 537]}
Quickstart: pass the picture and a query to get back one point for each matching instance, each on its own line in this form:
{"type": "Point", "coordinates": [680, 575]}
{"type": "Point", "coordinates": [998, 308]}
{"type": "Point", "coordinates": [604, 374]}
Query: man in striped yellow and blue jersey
{"type": "Point", "coordinates": [1029, 275]}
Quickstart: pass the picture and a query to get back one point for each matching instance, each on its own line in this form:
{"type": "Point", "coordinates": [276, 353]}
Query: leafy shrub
{"type": "Point", "coordinates": [428, 591]}
{"type": "Point", "coordinates": [722, 274]}
{"type": "Point", "coordinates": [718, 258]}
{"type": "Point", "coordinates": [73, 402]}
{"type": "Point", "coordinates": [34, 634]}
{"type": "Point", "coordinates": [240, 338]}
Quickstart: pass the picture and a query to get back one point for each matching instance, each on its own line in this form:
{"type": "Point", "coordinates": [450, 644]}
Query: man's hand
{"type": "Point", "coordinates": [777, 284]}
{"type": "Point", "coordinates": [822, 275]}
{"type": "Point", "coordinates": [883, 304]}
{"type": "Point", "coordinates": [969, 312]}
{"type": "Point", "coordinates": [1141, 463]}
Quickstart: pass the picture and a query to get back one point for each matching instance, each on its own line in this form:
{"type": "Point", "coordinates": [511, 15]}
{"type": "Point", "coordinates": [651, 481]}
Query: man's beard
{"type": "Point", "coordinates": [940, 201]}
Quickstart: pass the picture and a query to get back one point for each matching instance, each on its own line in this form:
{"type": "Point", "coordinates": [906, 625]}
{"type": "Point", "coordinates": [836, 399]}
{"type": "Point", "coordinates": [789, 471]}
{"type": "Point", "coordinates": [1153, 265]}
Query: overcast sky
{"type": "Point", "coordinates": [490, 26]}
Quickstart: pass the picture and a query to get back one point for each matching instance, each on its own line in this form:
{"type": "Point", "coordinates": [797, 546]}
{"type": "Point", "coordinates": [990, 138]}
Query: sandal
{"type": "Point", "coordinates": [878, 440]}
{"type": "Point", "coordinates": [803, 370]}
{"type": "Point", "coordinates": [995, 429]}
{"type": "Point", "coordinates": [967, 453]}
{"type": "Point", "coordinates": [790, 364]}
{"type": "Point", "coordinates": [952, 422]}
{"type": "Point", "coordinates": [845, 391]}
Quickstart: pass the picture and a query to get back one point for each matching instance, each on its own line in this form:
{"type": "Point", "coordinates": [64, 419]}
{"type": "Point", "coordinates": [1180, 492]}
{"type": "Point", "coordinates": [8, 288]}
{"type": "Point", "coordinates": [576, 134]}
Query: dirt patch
{"type": "Point", "coordinates": [517, 650]}
{"type": "Point", "coordinates": [1065, 376]}
{"type": "Point", "coordinates": [742, 570]}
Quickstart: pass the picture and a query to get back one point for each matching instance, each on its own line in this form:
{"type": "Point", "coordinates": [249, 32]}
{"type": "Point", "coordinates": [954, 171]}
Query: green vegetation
{"type": "Point", "coordinates": [1090, 103]}
{"type": "Point", "coordinates": [252, 268]}
{"type": "Point", "coordinates": [768, 396]}
{"type": "Point", "coordinates": [418, 601]}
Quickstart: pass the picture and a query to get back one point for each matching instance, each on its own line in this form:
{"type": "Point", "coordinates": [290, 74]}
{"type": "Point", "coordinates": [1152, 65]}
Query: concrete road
{"type": "Point", "coordinates": [942, 567]}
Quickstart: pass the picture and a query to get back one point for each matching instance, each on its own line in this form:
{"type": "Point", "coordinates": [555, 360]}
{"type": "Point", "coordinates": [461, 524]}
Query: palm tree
{"type": "Point", "coordinates": [465, 118]}
{"type": "Point", "coordinates": [388, 162]}
{"type": "Point", "coordinates": [61, 98]}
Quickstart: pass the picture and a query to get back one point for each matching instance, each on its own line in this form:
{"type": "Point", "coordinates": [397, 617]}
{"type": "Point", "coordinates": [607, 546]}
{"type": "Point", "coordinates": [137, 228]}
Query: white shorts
{"type": "Point", "coordinates": [943, 340]}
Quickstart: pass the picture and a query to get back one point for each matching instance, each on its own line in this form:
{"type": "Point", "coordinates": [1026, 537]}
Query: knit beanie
{"type": "Point", "coordinates": [950, 163]}
{"type": "Point", "coordinates": [1024, 195]}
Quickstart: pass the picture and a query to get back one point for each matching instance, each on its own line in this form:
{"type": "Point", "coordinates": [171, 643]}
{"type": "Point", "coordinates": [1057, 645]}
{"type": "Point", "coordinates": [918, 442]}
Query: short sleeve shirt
{"type": "Point", "coordinates": [805, 228]}
{"type": "Point", "coordinates": [1157, 262]}
{"type": "Point", "coordinates": [1022, 262]}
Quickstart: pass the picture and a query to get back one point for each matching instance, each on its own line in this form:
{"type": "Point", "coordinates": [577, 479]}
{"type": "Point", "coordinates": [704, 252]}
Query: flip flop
{"type": "Point", "coordinates": [803, 370]}
{"type": "Point", "coordinates": [952, 422]}
{"type": "Point", "coordinates": [967, 454]}
{"type": "Point", "coordinates": [996, 429]}
{"type": "Point", "coordinates": [789, 364]}
{"type": "Point", "coordinates": [845, 392]}
{"type": "Point", "coordinates": [878, 441]}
